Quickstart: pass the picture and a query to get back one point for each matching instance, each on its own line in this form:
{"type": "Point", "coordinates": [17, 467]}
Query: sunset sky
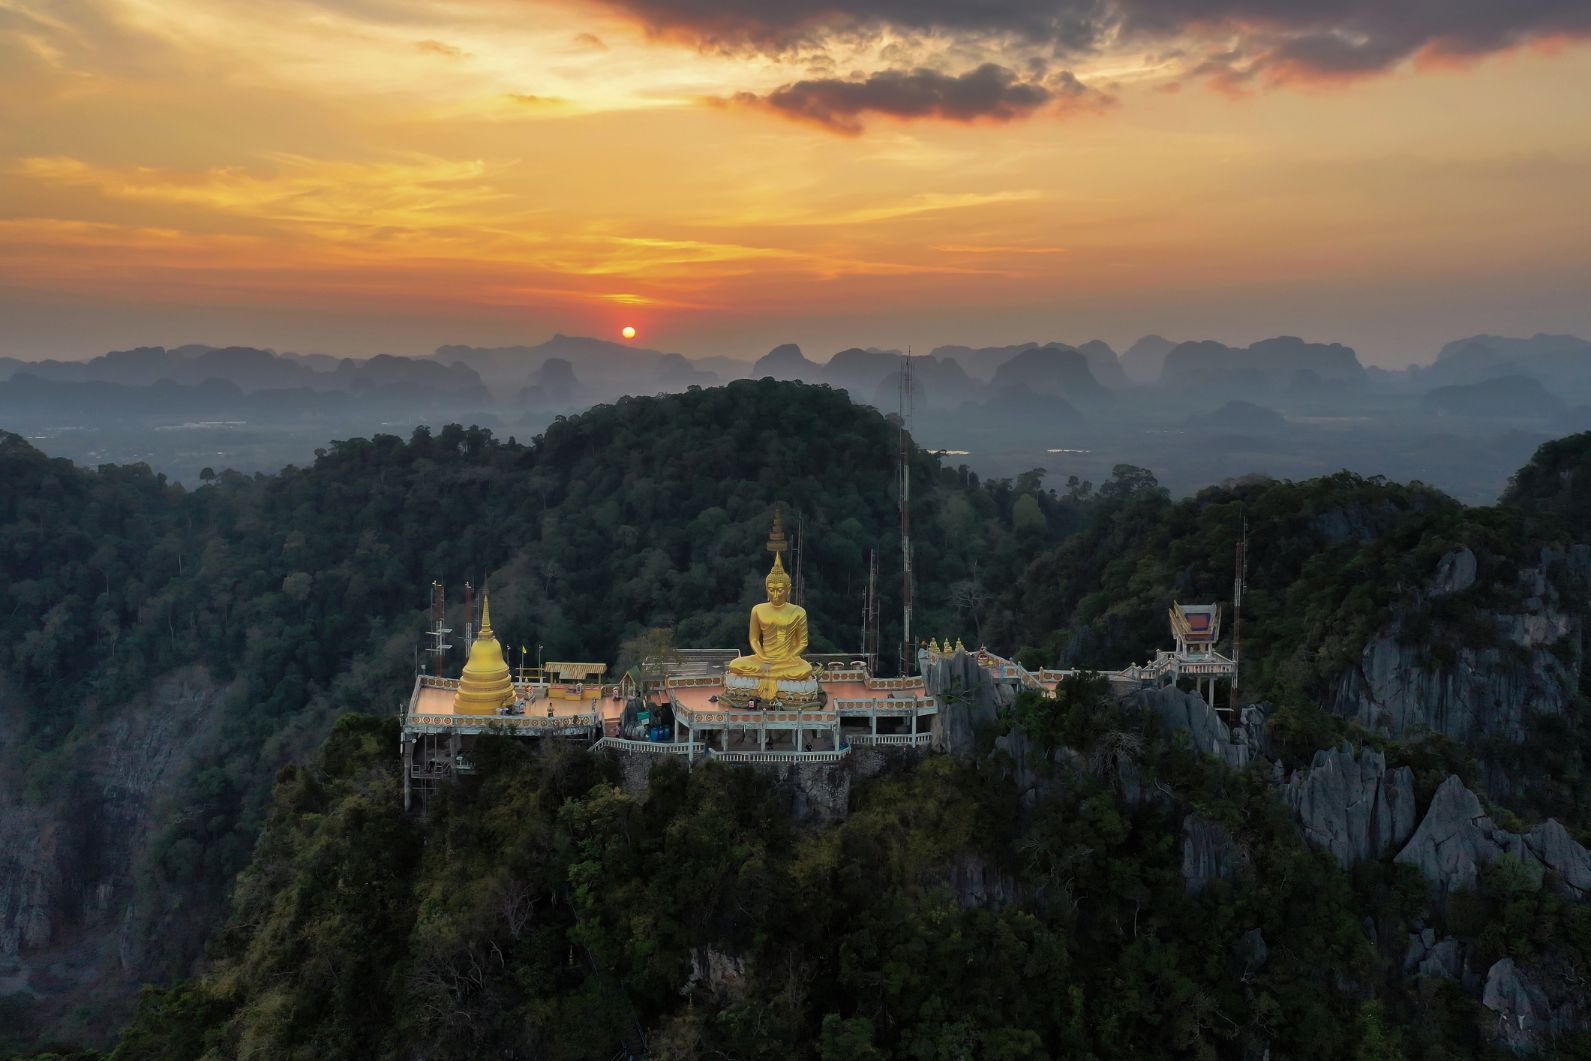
{"type": "Point", "coordinates": [357, 176]}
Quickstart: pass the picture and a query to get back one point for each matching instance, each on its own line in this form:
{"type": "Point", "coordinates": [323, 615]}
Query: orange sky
{"type": "Point", "coordinates": [356, 176]}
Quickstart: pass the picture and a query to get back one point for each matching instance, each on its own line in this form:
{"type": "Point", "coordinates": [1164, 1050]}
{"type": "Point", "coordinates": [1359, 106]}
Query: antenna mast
{"type": "Point", "coordinates": [870, 614]}
{"type": "Point", "coordinates": [437, 635]}
{"type": "Point", "coordinates": [907, 658]}
{"type": "Point", "coordinates": [798, 591]}
{"type": "Point", "coordinates": [1241, 576]}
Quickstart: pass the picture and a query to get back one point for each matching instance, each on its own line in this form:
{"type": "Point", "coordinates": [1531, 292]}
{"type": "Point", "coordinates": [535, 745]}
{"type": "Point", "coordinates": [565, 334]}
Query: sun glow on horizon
{"type": "Point", "coordinates": [465, 173]}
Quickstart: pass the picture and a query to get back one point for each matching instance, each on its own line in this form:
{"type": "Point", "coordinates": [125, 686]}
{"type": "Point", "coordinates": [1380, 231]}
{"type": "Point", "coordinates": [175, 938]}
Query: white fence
{"type": "Point", "coordinates": [909, 740]}
{"type": "Point", "coordinates": [644, 747]}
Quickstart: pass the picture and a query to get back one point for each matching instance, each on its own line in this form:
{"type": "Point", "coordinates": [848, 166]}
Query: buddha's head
{"type": "Point", "coordinates": [777, 582]}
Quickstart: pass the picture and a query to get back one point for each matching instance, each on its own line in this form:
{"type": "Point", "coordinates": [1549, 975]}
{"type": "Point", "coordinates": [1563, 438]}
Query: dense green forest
{"type": "Point", "coordinates": [546, 912]}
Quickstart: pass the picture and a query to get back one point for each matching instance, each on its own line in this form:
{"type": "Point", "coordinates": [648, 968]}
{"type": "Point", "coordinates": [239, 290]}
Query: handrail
{"type": "Point", "coordinates": [624, 744]}
{"type": "Point", "coordinates": [778, 757]}
{"type": "Point", "coordinates": [901, 739]}
{"type": "Point", "coordinates": [537, 722]}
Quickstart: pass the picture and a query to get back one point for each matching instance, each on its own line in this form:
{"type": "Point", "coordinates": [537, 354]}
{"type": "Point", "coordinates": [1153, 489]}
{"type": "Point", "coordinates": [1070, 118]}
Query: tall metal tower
{"type": "Point", "coordinates": [908, 657]}
{"type": "Point", "coordinates": [436, 637]}
{"type": "Point", "coordinates": [870, 614]}
{"type": "Point", "coordinates": [798, 591]}
{"type": "Point", "coordinates": [1240, 569]}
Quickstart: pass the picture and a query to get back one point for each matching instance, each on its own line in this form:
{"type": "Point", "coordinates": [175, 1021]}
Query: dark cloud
{"type": "Point", "coordinates": [1279, 39]}
{"type": "Point", "coordinates": [989, 93]}
{"type": "Point", "coordinates": [780, 24]}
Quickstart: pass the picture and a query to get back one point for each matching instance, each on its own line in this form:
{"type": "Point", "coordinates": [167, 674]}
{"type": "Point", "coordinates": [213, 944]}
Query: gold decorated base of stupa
{"type": "Point", "coordinates": [740, 690]}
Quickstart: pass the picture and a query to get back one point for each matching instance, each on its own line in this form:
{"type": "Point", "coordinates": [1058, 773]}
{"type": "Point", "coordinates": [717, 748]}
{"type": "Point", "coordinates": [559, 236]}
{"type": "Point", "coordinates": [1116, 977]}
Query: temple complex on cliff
{"type": "Point", "coordinates": [776, 703]}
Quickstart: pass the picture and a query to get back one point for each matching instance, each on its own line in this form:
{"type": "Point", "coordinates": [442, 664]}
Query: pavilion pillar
{"type": "Point", "coordinates": [800, 734]}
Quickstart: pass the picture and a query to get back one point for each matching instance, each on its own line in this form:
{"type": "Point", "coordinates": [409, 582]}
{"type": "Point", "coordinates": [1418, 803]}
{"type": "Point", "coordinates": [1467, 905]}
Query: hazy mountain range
{"type": "Point", "coordinates": [1195, 411]}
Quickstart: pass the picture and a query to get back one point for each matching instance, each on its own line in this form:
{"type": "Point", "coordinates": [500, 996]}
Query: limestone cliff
{"type": "Point", "coordinates": [75, 926]}
{"type": "Point", "coordinates": [1350, 804]}
{"type": "Point", "coordinates": [1518, 653]}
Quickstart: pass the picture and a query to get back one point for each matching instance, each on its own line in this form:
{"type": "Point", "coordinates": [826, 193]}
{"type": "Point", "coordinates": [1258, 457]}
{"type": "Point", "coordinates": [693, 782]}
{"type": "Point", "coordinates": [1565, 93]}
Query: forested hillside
{"type": "Point", "coordinates": [169, 652]}
{"type": "Point", "coordinates": [165, 651]}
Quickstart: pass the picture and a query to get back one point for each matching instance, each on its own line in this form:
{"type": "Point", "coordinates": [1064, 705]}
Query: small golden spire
{"type": "Point", "coordinates": [777, 543]}
{"type": "Point", "coordinates": [777, 573]}
{"type": "Point", "coordinates": [486, 613]}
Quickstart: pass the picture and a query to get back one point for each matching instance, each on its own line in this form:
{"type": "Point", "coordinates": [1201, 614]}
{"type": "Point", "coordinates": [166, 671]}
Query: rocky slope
{"type": "Point", "coordinates": [79, 921]}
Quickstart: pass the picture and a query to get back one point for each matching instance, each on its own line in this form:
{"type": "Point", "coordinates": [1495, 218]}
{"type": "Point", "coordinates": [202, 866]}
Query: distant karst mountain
{"type": "Point", "coordinates": [1239, 416]}
{"type": "Point", "coordinates": [1145, 359]}
{"type": "Point", "coordinates": [1267, 365]}
{"type": "Point", "coordinates": [1055, 369]}
{"type": "Point", "coordinates": [1506, 396]}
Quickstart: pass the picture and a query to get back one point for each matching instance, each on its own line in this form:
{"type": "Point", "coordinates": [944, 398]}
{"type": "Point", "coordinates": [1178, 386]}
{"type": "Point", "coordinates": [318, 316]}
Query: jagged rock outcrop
{"type": "Point", "coordinates": [1350, 804]}
{"type": "Point", "coordinates": [969, 698]}
{"type": "Point", "coordinates": [1455, 572]}
{"type": "Point", "coordinates": [1551, 845]}
{"type": "Point", "coordinates": [1528, 1016]}
{"type": "Point", "coordinates": [73, 921]}
{"type": "Point", "coordinates": [1210, 853]}
{"type": "Point", "coordinates": [717, 973]}
{"type": "Point", "coordinates": [977, 884]}
{"type": "Point", "coordinates": [1456, 838]}
{"type": "Point", "coordinates": [1188, 713]}
{"type": "Point", "coordinates": [1430, 956]}
{"type": "Point", "coordinates": [1528, 664]}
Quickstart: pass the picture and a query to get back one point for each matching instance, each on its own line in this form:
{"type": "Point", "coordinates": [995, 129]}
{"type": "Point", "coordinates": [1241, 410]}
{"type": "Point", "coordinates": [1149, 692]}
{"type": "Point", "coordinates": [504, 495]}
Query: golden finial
{"type": "Point", "coordinates": [486, 613]}
{"type": "Point", "coordinates": [777, 572]}
{"type": "Point", "coordinates": [959, 646]}
{"type": "Point", "coordinates": [776, 539]}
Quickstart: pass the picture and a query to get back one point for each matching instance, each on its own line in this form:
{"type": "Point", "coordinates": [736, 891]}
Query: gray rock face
{"type": "Point", "coordinates": [1559, 852]}
{"type": "Point", "coordinates": [1455, 572]}
{"type": "Point", "coordinates": [1456, 838]}
{"type": "Point", "coordinates": [975, 883]}
{"type": "Point", "coordinates": [969, 698]}
{"type": "Point", "coordinates": [76, 927]}
{"type": "Point", "coordinates": [1431, 957]}
{"type": "Point", "coordinates": [1351, 805]}
{"type": "Point", "coordinates": [1188, 713]}
{"type": "Point", "coordinates": [719, 974]}
{"type": "Point", "coordinates": [1475, 691]}
{"type": "Point", "coordinates": [1209, 853]}
{"type": "Point", "coordinates": [1527, 1019]}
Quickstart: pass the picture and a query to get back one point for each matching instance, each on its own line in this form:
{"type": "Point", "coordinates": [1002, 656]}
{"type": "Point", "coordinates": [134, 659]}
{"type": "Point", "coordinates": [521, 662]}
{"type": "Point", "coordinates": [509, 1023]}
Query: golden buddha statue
{"type": "Point", "coordinates": [778, 637]}
{"type": "Point", "coordinates": [778, 633]}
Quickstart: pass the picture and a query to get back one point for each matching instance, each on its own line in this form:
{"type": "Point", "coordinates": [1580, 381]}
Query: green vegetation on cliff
{"type": "Point", "coordinates": [550, 913]}
{"type": "Point", "coordinates": [301, 594]}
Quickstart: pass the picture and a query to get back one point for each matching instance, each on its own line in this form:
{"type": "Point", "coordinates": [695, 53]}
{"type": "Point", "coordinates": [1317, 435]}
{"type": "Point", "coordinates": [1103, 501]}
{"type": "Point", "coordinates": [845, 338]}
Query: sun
{"type": "Point", "coordinates": [628, 331]}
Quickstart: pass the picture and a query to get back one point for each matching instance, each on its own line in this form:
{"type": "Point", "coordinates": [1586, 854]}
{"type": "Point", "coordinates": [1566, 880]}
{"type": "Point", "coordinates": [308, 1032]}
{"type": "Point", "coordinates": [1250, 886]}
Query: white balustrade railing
{"type": "Point", "coordinates": [778, 757]}
{"type": "Point", "coordinates": [645, 747]}
{"type": "Point", "coordinates": [908, 740]}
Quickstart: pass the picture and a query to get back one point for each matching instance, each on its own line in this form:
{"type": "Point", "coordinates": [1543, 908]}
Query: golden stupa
{"type": "Point", "coordinates": [484, 686]}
